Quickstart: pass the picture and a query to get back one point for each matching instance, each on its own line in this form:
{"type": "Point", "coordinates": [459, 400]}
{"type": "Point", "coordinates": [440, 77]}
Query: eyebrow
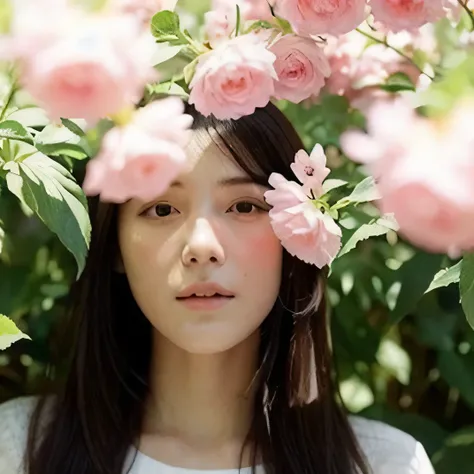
{"type": "Point", "coordinates": [225, 182]}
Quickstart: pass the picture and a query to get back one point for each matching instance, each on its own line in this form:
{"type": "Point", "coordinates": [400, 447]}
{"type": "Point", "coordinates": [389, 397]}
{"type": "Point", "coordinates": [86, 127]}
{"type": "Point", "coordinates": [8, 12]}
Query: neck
{"type": "Point", "coordinates": [204, 399]}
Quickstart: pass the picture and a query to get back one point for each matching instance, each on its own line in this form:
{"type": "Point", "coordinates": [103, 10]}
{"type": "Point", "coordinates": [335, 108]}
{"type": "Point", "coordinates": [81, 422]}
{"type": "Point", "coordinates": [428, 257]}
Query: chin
{"type": "Point", "coordinates": [216, 341]}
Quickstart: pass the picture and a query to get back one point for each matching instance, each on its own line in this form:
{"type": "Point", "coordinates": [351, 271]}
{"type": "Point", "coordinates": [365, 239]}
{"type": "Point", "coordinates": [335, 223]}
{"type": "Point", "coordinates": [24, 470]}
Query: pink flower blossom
{"type": "Point", "coordinates": [87, 67]}
{"type": "Point", "coordinates": [305, 232]}
{"type": "Point", "coordinates": [311, 170]}
{"type": "Point", "coordinates": [234, 79]}
{"type": "Point", "coordinates": [302, 68]}
{"type": "Point", "coordinates": [249, 9]}
{"type": "Point", "coordinates": [221, 21]}
{"type": "Point", "coordinates": [219, 26]}
{"type": "Point", "coordinates": [144, 10]}
{"type": "Point", "coordinates": [358, 70]}
{"type": "Point", "coordinates": [317, 17]}
{"type": "Point", "coordinates": [398, 15]}
{"type": "Point", "coordinates": [141, 159]}
{"type": "Point", "coordinates": [425, 172]}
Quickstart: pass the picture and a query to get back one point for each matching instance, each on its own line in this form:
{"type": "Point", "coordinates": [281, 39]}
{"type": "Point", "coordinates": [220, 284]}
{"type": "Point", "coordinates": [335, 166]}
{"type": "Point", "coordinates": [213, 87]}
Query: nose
{"type": "Point", "coordinates": [203, 246]}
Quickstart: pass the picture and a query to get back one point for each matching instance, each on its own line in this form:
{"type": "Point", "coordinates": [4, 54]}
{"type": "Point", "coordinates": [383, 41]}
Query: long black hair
{"type": "Point", "coordinates": [105, 353]}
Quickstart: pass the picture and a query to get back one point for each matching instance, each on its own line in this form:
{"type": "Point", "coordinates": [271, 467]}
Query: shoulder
{"type": "Point", "coordinates": [14, 421]}
{"type": "Point", "coordinates": [389, 450]}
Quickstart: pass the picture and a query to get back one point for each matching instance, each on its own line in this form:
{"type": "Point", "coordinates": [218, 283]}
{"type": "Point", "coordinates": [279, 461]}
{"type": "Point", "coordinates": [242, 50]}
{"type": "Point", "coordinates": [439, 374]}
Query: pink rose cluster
{"type": "Point", "coordinates": [336, 17]}
{"type": "Point", "coordinates": [424, 170]}
{"type": "Point", "coordinates": [359, 69]}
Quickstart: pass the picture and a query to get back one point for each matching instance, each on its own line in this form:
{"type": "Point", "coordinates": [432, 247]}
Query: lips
{"type": "Point", "coordinates": [205, 297]}
{"type": "Point", "coordinates": [205, 290]}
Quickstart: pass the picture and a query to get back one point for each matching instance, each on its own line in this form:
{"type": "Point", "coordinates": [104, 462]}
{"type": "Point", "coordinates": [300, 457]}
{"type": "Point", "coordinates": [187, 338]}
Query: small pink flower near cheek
{"type": "Point", "coordinates": [311, 170]}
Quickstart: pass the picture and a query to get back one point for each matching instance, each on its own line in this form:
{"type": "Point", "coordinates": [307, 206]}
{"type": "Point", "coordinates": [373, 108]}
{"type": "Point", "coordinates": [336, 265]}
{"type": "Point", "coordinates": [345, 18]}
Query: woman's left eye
{"type": "Point", "coordinates": [245, 207]}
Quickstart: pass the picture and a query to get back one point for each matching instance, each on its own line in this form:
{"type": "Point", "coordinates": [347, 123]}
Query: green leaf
{"type": "Point", "coordinates": [260, 24]}
{"type": "Point", "coordinates": [380, 227]}
{"type": "Point", "coordinates": [9, 333]}
{"type": "Point", "coordinates": [15, 131]}
{"type": "Point", "coordinates": [73, 127]}
{"type": "Point", "coordinates": [457, 371]}
{"type": "Point", "coordinates": [33, 117]}
{"type": "Point", "coordinates": [457, 455]}
{"type": "Point", "coordinates": [168, 88]}
{"type": "Point", "coordinates": [238, 20]}
{"type": "Point", "coordinates": [190, 70]}
{"type": "Point", "coordinates": [397, 82]}
{"type": "Point", "coordinates": [2, 238]}
{"type": "Point", "coordinates": [467, 287]}
{"type": "Point", "coordinates": [365, 191]}
{"type": "Point", "coordinates": [446, 277]}
{"type": "Point", "coordinates": [68, 149]}
{"type": "Point", "coordinates": [331, 184]}
{"type": "Point", "coordinates": [51, 192]}
{"type": "Point", "coordinates": [165, 26]}
{"type": "Point", "coordinates": [415, 277]}
{"type": "Point", "coordinates": [165, 52]}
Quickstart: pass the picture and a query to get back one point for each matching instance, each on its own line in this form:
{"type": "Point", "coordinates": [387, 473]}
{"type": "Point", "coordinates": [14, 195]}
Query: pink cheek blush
{"type": "Point", "coordinates": [260, 249]}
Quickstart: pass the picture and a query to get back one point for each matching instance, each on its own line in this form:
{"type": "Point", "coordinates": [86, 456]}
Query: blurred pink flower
{"type": "Point", "coordinates": [234, 79]}
{"type": "Point", "coordinates": [141, 159]}
{"type": "Point", "coordinates": [221, 21]}
{"type": "Point", "coordinates": [144, 10]}
{"type": "Point", "coordinates": [398, 15]}
{"type": "Point", "coordinates": [311, 170]}
{"type": "Point", "coordinates": [358, 70]}
{"type": "Point", "coordinates": [249, 9]}
{"type": "Point", "coordinates": [317, 17]}
{"type": "Point", "coordinates": [219, 26]}
{"type": "Point", "coordinates": [301, 66]}
{"type": "Point", "coordinates": [304, 231]}
{"type": "Point", "coordinates": [88, 66]}
{"type": "Point", "coordinates": [425, 171]}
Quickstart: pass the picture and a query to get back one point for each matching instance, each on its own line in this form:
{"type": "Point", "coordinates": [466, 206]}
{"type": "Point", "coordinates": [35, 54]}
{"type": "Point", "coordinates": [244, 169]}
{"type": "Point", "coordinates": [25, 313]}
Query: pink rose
{"type": "Point", "coordinates": [88, 67]}
{"type": "Point", "coordinates": [317, 17]}
{"type": "Point", "coordinates": [301, 67]}
{"type": "Point", "coordinates": [303, 229]}
{"type": "Point", "coordinates": [398, 15]}
{"type": "Point", "coordinates": [425, 173]}
{"type": "Point", "coordinates": [141, 159]}
{"type": "Point", "coordinates": [311, 170]}
{"type": "Point", "coordinates": [234, 79]}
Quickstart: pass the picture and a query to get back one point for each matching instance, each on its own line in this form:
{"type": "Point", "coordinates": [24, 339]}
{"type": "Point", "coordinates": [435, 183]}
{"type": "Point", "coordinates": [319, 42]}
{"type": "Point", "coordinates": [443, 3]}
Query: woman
{"type": "Point", "coordinates": [200, 345]}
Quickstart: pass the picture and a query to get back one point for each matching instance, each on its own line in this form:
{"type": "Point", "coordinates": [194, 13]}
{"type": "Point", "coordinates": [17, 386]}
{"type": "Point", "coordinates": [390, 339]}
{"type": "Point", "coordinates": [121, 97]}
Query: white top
{"type": "Point", "coordinates": [388, 450]}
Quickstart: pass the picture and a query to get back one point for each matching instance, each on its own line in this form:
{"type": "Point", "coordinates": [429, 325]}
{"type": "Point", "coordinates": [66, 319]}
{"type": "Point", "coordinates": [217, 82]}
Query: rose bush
{"type": "Point", "coordinates": [381, 93]}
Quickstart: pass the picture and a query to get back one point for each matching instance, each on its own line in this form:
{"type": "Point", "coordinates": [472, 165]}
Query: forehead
{"type": "Point", "coordinates": [208, 159]}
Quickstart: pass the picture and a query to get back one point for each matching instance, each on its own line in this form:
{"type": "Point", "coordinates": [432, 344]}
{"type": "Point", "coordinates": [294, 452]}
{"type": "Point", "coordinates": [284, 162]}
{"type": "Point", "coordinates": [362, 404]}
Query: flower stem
{"type": "Point", "coordinates": [398, 51]}
{"type": "Point", "coordinates": [468, 11]}
{"type": "Point", "coordinates": [8, 101]}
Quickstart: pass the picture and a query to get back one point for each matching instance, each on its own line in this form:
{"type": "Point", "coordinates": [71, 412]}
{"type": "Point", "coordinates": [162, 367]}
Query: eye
{"type": "Point", "coordinates": [161, 210]}
{"type": "Point", "coordinates": [245, 208]}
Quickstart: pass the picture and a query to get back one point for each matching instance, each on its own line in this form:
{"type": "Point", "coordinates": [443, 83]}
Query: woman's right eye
{"type": "Point", "coordinates": [161, 210]}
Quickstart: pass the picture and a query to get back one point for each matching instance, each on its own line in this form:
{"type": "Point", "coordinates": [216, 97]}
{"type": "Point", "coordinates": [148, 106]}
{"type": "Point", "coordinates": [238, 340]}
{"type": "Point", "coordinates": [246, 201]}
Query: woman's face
{"type": "Point", "coordinates": [210, 234]}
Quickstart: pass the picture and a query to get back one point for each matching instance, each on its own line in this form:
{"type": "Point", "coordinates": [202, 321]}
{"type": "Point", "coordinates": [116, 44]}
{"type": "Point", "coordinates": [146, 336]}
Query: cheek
{"type": "Point", "coordinates": [142, 253]}
{"type": "Point", "coordinates": [260, 250]}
